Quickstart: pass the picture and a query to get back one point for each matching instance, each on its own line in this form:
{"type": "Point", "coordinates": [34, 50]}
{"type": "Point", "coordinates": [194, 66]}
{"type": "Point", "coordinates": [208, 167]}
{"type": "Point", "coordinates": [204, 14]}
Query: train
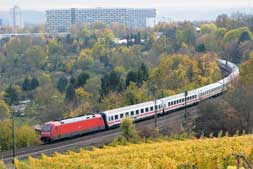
{"type": "Point", "coordinates": [57, 130]}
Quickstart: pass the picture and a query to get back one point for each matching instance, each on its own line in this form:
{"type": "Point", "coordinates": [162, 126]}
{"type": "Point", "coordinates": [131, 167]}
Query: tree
{"type": "Point", "coordinates": [138, 76]}
{"type": "Point", "coordinates": [4, 110]}
{"type": "Point", "coordinates": [47, 106]}
{"type": "Point", "coordinates": [82, 79]}
{"type": "Point", "coordinates": [30, 84]}
{"type": "Point", "coordinates": [12, 94]}
{"type": "Point", "coordinates": [245, 36]}
{"type": "Point", "coordinates": [186, 34]}
{"type": "Point", "coordinates": [201, 48]}
{"type": "Point", "coordinates": [34, 57]}
{"type": "Point", "coordinates": [70, 94]}
{"type": "Point", "coordinates": [72, 81]}
{"type": "Point", "coordinates": [55, 54]}
{"type": "Point", "coordinates": [215, 117]}
{"type": "Point", "coordinates": [132, 76]}
{"type": "Point", "coordinates": [34, 83]}
{"type": "Point", "coordinates": [23, 139]}
{"type": "Point", "coordinates": [111, 82]}
{"type": "Point", "coordinates": [26, 84]}
{"type": "Point", "coordinates": [6, 135]}
{"type": "Point", "coordinates": [223, 21]}
{"type": "Point", "coordinates": [62, 84]}
{"type": "Point", "coordinates": [240, 100]}
{"type": "Point", "coordinates": [143, 72]}
{"type": "Point", "coordinates": [135, 95]}
{"type": "Point", "coordinates": [128, 130]}
{"type": "Point", "coordinates": [25, 136]}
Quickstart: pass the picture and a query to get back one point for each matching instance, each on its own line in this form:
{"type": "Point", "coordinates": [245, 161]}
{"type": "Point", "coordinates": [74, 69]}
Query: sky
{"type": "Point", "coordinates": [180, 4]}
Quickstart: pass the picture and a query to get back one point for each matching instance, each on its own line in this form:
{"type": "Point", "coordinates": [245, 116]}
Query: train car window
{"type": "Point", "coordinates": [137, 112]}
{"type": "Point", "coordinates": [116, 117]}
{"type": "Point", "coordinates": [168, 103]}
{"type": "Point", "coordinates": [171, 103]}
{"type": "Point", "coordinates": [183, 100]}
{"type": "Point", "coordinates": [132, 113]}
{"type": "Point", "coordinates": [175, 102]}
{"type": "Point", "coordinates": [112, 118]}
{"type": "Point", "coordinates": [146, 110]}
{"type": "Point", "coordinates": [126, 114]}
{"type": "Point", "coordinates": [156, 107]}
{"type": "Point", "coordinates": [121, 116]}
{"type": "Point", "coordinates": [142, 110]}
{"type": "Point", "coordinates": [151, 108]}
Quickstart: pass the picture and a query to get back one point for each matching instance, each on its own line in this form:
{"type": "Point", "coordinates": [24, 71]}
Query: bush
{"type": "Point", "coordinates": [128, 130]}
{"type": "Point", "coordinates": [2, 166]}
{"type": "Point", "coordinates": [25, 136]}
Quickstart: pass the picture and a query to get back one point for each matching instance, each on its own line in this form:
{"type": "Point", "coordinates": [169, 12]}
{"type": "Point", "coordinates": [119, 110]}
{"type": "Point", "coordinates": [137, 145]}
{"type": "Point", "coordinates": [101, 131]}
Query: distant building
{"type": "Point", "coordinates": [16, 19]}
{"type": "Point", "coordinates": [62, 20]}
{"type": "Point", "coordinates": [1, 22]}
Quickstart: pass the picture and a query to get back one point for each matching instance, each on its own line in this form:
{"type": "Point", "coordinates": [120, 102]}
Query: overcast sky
{"type": "Point", "coordinates": [48, 4]}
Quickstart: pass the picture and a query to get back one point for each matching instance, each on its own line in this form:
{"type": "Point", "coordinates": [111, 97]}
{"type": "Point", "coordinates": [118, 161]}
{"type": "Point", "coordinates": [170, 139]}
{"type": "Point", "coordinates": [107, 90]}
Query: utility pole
{"type": "Point", "coordinates": [13, 137]}
{"type": "Point", "coordinates": [185, 103]}
{"type": "Point", "coordinates": [155, 110]}
{"type": "Point", "coordinates": [153, 90]}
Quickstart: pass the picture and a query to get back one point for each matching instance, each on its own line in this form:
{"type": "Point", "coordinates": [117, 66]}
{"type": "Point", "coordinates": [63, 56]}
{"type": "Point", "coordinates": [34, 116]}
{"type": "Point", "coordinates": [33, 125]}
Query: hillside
{"type": "Point", "coordinates": [203, 153]}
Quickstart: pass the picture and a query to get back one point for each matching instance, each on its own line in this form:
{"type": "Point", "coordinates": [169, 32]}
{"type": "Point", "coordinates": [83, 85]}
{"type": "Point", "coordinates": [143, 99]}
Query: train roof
{"type": "Point", "coordinates": [132, 107]}
{"type": "Point", "coordinates": [74, 119]}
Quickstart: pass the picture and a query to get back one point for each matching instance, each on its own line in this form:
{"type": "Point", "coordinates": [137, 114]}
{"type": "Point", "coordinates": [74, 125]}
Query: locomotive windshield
{"type": "Point", "coordinates": [46, 127]}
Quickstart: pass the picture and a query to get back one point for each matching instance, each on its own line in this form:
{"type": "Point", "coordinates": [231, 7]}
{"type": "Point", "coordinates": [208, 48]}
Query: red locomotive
{"type": "Point", "coordinates": [57, 130]}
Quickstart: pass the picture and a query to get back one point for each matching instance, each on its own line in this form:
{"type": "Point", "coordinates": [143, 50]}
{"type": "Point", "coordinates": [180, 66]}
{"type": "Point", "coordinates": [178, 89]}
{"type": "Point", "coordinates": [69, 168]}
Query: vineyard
{"type": "Point", "coordinates": [162, 154]}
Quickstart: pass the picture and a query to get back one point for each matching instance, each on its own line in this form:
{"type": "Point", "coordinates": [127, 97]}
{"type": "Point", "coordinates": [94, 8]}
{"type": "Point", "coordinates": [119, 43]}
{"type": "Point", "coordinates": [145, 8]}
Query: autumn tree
{"type": "Point", "coordinates": [34, 57]}
{"type": "Point", "coordinates": [4, 110]}
{"type": "Point", "coordinates": [23, 139]}
{"type": "Point", "coordinates": [134, 95]}
{"type": "Point", "coordinates": [55, 54]}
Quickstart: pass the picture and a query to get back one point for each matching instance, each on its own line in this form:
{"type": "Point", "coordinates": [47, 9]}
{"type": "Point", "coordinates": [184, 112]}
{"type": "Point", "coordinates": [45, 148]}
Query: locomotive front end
{"type": "Point", "coordinates": [46, 133]}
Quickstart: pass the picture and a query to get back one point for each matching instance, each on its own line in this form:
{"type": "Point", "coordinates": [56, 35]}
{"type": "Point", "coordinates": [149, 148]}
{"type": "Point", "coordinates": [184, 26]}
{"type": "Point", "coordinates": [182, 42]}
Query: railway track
{"type": "Point", "coordinates": [174, 119]}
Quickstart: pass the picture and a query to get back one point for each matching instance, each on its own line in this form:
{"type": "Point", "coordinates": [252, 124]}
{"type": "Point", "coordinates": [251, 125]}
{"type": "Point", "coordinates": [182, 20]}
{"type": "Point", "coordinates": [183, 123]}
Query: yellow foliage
{"type": "Point", "coordinates": [182, 72]}
{"type": "Point", "coordinates": [200, 153]}
{"type": "Point", "coordinates": [69, 65]}
{"type": "Point", "coordinates": [246, 71]}
{"type": "Point", "coordinates": [119, 69]}
{"type": "Point", "coordinates": [84, 53]}
{"type": "Point", "coordinates": [2, 166]}
{"type": "Point", "coordinates": [80, 92]}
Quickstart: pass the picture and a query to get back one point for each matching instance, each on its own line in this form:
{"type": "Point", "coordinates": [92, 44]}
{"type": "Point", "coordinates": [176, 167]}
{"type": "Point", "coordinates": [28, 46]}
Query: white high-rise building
{"type": "Point", "coordinates": [1, 22]}
{"type": "Point", "coordinates": [16, 19]}
{"type": "Point", "coordinates": [62, 20]}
